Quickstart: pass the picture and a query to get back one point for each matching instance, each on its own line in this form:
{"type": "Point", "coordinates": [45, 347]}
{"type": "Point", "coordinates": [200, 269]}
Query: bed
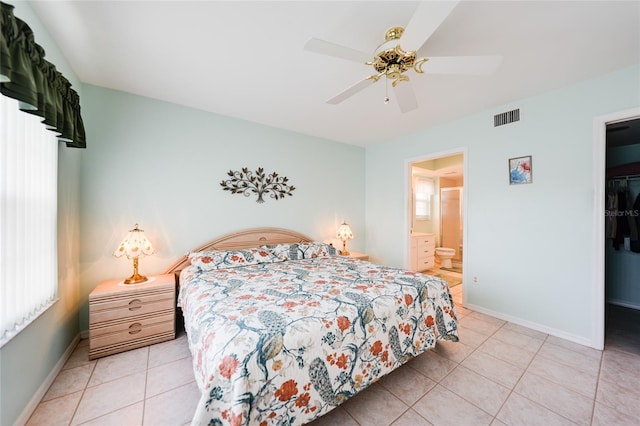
{"type": "Point", "coordinates": [282, 329]}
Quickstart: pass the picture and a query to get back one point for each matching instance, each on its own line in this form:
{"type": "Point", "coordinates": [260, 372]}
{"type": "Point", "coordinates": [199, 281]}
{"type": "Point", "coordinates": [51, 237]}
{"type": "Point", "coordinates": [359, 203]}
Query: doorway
{"type": "Point", "coordinates": [441, 217]}
{"type": "Point", "coordinates": [599, 183]}
{"type": "Point", "coordinates": [622, 242]}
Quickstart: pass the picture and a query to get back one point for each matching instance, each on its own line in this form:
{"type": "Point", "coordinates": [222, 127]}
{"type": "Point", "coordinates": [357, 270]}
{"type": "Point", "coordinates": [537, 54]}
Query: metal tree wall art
{"type": "Point", "coordinates": [246, 183]}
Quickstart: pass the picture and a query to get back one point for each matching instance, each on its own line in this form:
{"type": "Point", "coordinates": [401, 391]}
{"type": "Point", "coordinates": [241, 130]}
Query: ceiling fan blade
{"type": "Point", "coordinates": [424, 22]}
{"type": "Point", "coordinates": [462, 65]}
{"type": "Point", "coordinates": [405, 96]}
{"type": "Point", "coordinates": [331, 49]}
{"type": "Point", "coordinates": [359, 86]}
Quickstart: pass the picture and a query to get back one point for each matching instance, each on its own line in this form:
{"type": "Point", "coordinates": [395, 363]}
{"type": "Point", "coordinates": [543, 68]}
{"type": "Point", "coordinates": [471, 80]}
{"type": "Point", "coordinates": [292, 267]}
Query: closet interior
{"type": "Point", "coordinates": [622, 227]}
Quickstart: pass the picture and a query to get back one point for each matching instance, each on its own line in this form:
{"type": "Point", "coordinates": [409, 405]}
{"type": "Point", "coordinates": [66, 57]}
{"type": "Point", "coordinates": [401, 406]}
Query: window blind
{"type": "Point", "coordinates": [28, 218]}
{"type": "Point", "coordinates": [423, 193]}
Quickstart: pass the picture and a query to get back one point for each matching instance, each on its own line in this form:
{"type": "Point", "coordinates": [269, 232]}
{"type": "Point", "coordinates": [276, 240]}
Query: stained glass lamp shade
{"type": "Point", "coordinates": [134, 245]}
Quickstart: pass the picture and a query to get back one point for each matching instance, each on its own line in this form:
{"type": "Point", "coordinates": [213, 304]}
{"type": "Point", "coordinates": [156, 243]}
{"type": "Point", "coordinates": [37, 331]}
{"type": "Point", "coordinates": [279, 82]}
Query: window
{"type": "Point", "coordinates": [28, 220]}
{"type": "Point", "coordinates": [423, 190]}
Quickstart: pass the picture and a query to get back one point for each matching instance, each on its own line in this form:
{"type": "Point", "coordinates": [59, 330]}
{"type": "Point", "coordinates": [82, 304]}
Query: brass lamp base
{"type": "Point", "coordinates": [136, 278]}
{"type": "Point", "coordinates": [344, 248]}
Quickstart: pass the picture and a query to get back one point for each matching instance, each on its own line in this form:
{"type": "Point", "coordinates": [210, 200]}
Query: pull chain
{"type": "Point", "coordinates": [386, 91]}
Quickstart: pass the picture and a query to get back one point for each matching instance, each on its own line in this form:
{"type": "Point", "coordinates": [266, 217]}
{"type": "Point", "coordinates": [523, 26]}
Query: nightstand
{"type": "Point", "coordinates": [356, 255]}
{"type": "Point", "coordinates": [128, 316]}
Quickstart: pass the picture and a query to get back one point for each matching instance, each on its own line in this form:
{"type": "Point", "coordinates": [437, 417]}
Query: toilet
{"type": "Point", "coordinates": [444, 255]}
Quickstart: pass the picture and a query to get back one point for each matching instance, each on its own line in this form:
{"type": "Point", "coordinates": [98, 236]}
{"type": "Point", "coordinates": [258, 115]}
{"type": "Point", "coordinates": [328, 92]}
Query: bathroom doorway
{"type": "Point", "coordinates": [437, 214]}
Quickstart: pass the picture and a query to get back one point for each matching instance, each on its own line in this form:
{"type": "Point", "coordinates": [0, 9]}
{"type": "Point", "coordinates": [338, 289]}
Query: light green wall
{"type": "Point", "coordinates": [27, 360]}
{"type": "Point", "coordinates": [531, 246]}
{"type": "Point", "coordinates": [160, 165]}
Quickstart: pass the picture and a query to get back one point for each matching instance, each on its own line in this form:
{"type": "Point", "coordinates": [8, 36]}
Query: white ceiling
{"type": "Point", "coordinates": [247, 59]}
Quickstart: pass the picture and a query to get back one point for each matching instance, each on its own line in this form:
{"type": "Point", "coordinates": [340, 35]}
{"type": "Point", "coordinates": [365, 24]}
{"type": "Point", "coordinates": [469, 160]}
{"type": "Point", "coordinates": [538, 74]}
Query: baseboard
{"type": "Point", "coordinates": [535, 326]}
{"type": "Point", "coordinates": [84, 334]}
{"type": "Point", "coordinates": [42, 390]}
{"type": "Point", "coordinates": [623, 304]}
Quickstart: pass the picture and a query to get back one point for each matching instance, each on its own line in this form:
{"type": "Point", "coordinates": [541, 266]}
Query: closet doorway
{"type": "Point", "coordinates": [622, 239]}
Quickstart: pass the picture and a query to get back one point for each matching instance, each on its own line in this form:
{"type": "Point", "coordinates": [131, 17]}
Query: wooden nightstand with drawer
{"type": "Point", "coordinates": [128, 316]}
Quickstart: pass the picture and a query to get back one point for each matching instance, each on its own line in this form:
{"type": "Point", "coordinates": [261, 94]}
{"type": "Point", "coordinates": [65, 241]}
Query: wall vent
{"type": "Point", "coordinates": [506, 117]}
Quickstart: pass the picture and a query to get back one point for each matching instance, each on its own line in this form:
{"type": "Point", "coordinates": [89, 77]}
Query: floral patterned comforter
{"type": "Point", "coordinates": [283, 343]}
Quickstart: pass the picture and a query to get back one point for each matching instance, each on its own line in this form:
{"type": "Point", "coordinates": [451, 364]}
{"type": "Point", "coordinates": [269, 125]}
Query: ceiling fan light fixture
{"type": "Point", "coordinates": [392, 61]}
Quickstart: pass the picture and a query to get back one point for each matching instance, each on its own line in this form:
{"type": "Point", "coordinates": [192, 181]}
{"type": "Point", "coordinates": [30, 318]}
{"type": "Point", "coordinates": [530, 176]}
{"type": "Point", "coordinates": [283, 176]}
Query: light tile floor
{"type": "Point", "coordinates": [499, 374]}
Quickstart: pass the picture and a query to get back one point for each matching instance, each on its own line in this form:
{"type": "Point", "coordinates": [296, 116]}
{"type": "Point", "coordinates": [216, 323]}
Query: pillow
{"type": "Point", "coordinates": [222, 259]}
{"type": "Point", "coordinates": [299, 251]}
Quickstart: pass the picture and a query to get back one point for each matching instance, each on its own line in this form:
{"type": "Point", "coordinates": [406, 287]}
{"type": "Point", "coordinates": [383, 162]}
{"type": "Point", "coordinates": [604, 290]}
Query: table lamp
{"type": "Point", "coordinates": [134, 245]}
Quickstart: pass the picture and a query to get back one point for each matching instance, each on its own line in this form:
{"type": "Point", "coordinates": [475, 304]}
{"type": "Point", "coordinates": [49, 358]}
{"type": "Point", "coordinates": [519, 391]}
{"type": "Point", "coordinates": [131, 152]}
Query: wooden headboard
{"type": "Point", "coordinates": [248, 238]}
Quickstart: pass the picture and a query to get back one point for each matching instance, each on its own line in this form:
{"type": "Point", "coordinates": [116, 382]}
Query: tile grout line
{"type": "Point", "coordinates": [146, 381]}
{"type": "Point", "coordinates": [595, 394]}
{"type": "Point", "coordinates": [513, 389]}
{"type": "Point", "coordinates": [562, 386]}
{"type": "Point", "coordinates": [493, 417]}
{"type": "Point", "coordinates": [84, 389]}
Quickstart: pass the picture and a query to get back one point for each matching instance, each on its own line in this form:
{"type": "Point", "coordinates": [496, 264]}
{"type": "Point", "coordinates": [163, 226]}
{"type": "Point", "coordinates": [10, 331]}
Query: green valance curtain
{"type": "Point", "coordinates": [41, 90]}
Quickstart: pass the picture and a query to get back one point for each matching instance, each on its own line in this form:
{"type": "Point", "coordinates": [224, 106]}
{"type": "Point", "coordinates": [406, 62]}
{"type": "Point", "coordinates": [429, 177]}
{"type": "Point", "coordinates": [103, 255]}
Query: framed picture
{"type": "Point", "coordinates": [520, 170]}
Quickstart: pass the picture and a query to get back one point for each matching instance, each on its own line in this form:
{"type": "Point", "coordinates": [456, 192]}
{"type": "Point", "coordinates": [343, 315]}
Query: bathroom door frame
{"type": "Point", "coordinates": [408, 198]}
{"type": "Point", "coordinates": [599, 182]}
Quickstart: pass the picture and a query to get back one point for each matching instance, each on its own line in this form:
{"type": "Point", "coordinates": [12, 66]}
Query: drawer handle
{"type": "Point", "coordinates": [135, 304]}
{"type": "Point", "coordinates": [135, 328]}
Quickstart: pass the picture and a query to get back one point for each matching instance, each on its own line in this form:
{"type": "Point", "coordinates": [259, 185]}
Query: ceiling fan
{"type": "Point", "coordinates": [392, 61]}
